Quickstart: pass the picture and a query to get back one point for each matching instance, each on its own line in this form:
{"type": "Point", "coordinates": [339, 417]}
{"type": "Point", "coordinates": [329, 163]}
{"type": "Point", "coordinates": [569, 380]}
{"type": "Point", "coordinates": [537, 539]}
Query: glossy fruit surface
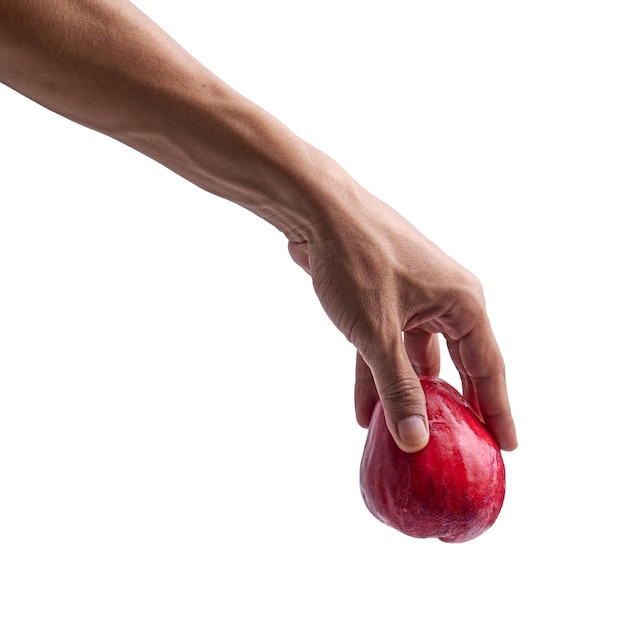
{"type": "Point", "coordinates": [453, 489]}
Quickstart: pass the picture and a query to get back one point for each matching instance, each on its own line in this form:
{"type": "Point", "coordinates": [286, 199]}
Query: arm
{"type": "Point", "coordinates": [104, 64]}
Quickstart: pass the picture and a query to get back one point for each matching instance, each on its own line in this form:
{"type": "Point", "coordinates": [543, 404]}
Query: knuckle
{"type": "Point", "coordinates": [471, 292]}
{"type": "Point", "coordinates": [401, 393]}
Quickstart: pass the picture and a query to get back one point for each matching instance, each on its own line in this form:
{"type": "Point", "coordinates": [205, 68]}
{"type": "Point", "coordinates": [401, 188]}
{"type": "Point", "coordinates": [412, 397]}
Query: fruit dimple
{"type": "Point", "coordinates": [453, 489]}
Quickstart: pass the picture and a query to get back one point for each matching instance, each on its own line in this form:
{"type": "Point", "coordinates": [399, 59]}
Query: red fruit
{"type": "Point", "coordinates": [453, 489]}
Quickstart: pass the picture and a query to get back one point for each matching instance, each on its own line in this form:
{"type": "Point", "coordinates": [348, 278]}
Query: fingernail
{"type": "Point", "coordinates": [413, 431]}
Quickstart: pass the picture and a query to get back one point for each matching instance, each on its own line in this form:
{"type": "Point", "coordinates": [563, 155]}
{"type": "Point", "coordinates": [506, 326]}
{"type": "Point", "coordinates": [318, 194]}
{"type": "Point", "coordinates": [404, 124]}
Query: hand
{"type": "Point", "coordinates": [386, 287]}
{"type": "Point", "coordinates": [390, 290]}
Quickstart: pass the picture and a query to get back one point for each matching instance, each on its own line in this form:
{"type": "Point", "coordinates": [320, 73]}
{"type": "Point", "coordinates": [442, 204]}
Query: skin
{"type": "Point", "coordinates": [387, 288]}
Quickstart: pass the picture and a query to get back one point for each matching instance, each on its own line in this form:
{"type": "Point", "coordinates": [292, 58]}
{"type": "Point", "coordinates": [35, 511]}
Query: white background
{"type": "Point", "coordinates": [177, 440]}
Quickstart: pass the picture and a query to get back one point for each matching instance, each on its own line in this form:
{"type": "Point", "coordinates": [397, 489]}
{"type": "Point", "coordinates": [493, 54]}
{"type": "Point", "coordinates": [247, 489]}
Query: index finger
{"type": "Point", "coordinates": [365, 394]}
{"type": "Point", "coordinates": [481, 367]}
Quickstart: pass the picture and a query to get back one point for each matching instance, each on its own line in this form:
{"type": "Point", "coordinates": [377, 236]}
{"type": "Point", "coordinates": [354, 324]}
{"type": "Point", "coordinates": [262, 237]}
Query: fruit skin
{"type": "Point", "coordinates": [453, 489]}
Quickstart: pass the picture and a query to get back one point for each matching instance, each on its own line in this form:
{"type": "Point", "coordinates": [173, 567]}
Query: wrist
{"type": "Point", "coordinates": [310, 195]}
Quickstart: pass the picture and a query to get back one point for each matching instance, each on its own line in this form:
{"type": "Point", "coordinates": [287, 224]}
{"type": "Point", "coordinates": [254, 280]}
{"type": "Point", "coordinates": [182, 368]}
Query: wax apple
{"type": "Point", "coordinates": [453, 489]}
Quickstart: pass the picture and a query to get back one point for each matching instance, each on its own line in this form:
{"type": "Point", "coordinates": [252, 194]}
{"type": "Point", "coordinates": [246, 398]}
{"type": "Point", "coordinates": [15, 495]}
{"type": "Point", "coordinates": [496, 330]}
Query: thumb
{"type": "Point", "coordinates": [402, 398]}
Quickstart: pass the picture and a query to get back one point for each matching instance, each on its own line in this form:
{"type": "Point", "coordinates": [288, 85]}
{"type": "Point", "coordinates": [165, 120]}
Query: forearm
{"type": "Point", "coordinates": [104, 64]}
